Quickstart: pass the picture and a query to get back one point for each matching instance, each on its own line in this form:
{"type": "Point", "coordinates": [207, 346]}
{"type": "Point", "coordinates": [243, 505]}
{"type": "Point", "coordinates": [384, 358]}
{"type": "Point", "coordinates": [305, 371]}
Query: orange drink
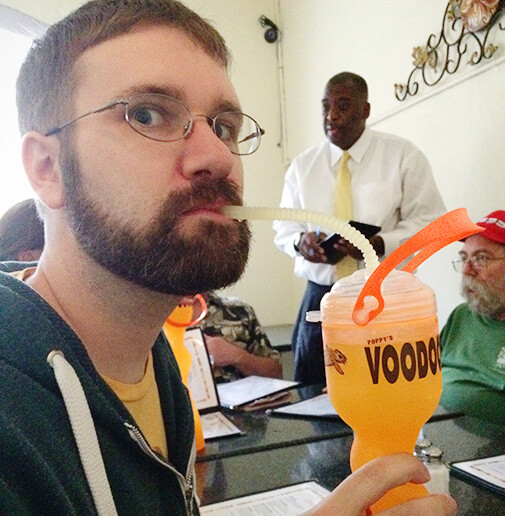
{"type": "Point", "coordinates": [384, 379]}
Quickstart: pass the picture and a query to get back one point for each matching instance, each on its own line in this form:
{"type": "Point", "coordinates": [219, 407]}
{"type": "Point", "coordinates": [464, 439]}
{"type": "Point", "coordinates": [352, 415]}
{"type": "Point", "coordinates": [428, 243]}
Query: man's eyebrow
{"type": "Point", "coordinates": [226, 105]}
{"type": "Point", "coordinates": [177, 93]}
{"type": "Point", "coordinates": [170, 91]}
{"type": "Point", "coordinates": [477, 252]}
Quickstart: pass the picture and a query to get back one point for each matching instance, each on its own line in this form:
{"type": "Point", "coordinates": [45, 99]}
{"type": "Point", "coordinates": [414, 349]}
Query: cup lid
{"type": "Point", "coordinates": [405, 297]}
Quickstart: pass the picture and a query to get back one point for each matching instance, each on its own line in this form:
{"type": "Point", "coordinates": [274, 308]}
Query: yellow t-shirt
{"type": "Point", "coordinates": [143, 402]}
{"type": "Point", "coordinates": [24, 274]}
{"type": "Point", "coordinates": [141, 399]}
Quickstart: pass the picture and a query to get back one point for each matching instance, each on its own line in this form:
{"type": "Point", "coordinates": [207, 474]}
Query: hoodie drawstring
{"type": "Point", "coordinates": [84, 431]}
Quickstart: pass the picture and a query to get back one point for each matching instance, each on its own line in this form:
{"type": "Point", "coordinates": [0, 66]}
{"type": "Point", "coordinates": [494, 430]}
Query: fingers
{"type": "Point", "coordinates": [348, 249]}
{"type": "Point", "coordinates": [382, 474]}
{"type": "Point", "coordinates": [435, 505]}
{"type": "Point", "coordinates": [310, 249]}
{"type": "Point", "coordinates": [367, 485]}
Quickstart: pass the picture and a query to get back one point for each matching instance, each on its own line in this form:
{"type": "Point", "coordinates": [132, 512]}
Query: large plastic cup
{"type": "Point", "coordinates": [384, 379]}
{"type": "Point", "coordinates": [174, 329]}
{"type": "Point", "coordinates": [382, 352]}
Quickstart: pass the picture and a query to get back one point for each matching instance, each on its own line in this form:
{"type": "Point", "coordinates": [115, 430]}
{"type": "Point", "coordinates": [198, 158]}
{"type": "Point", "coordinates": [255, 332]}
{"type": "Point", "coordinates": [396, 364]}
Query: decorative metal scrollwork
{"type": "Point", "coordinates": [466, 29]}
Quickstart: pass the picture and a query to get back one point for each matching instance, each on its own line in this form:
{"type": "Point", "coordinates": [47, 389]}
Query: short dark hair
{"type": "Point", "coordinates": [44, 86]}
{"type": "Point", "coordinates": [21, 229]}
{"type": "Point", "coordinates": [357, 82]}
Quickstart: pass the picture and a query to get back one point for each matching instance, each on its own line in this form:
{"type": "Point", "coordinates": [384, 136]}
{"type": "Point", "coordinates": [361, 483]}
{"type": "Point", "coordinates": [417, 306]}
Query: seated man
{"type": "Point", "coordinates": [473, 340]}
{"type": "Point", "coordinates": [21, 233]}
{"type": "Point", "coordinates": [236, 341]}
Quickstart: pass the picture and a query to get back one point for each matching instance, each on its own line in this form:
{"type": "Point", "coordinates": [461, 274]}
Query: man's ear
{"type": "Point", "coordinates": [366, 112]}
{"type": "Point", "coordinates": [41, 160]}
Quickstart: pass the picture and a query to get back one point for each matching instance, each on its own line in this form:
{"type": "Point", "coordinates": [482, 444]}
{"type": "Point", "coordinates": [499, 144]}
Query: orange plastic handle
{"type": "Point", "coordinates": [187, 324]}
{"type": "Point", "coordinates": [454, 225]}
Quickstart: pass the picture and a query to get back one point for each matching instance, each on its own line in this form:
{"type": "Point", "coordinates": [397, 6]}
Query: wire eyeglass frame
{"type": "Point", "coordinates": [171, 120]}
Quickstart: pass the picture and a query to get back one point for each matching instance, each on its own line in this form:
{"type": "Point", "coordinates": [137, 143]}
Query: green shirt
{"type": "Point", "coordinates": [473, 364]}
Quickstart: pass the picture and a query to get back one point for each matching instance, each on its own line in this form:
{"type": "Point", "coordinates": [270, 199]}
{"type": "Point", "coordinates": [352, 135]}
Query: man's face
{"type": "Point", "coordinates": [148, 211]}
{"type": "Point", "coordinates": [484, 287]}
{"type": "Point", "coordinates": [344, 114]}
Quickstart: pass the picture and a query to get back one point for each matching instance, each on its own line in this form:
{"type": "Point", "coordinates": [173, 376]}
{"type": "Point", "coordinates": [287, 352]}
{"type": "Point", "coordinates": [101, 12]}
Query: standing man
{"type": "Point", "coordinates": [473, 339]}
{"type": "Point", "coordinates": [390, 184]}
{"type": "Point", "coordinates": [132, 136]}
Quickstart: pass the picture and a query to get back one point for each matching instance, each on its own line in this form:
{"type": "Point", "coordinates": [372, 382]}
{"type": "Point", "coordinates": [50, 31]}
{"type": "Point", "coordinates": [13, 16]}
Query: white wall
{"type": "Point", "coordinates": [460, 129]}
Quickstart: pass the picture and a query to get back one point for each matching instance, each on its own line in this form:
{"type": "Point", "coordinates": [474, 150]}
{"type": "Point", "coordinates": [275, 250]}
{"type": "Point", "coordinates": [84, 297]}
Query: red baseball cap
{"type": "Point", "coordinates": [494, 226]}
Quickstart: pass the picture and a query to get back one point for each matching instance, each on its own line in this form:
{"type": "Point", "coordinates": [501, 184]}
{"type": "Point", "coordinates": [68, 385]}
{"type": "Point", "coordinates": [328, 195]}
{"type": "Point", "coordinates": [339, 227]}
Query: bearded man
{"type": "Point", "coordinates": [133, 137]}
{"type": "Point", "coordinates": [473, 340]}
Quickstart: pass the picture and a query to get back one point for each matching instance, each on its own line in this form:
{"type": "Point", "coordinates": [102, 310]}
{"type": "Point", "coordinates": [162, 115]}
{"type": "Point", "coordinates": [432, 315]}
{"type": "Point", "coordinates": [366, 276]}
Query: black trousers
{"type": "Point", "coordinates": [307, 339]}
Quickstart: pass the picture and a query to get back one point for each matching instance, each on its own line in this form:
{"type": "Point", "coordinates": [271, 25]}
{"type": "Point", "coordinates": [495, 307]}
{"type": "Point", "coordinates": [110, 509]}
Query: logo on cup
{"type": "Point", "coordinates": [334, 357]}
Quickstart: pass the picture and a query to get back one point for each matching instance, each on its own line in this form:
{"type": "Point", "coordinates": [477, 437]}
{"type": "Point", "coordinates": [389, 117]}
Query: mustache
{"type": "Point", "coordinates": [204, 192]}
{"type": "Point", "coordinates": [468, 283]}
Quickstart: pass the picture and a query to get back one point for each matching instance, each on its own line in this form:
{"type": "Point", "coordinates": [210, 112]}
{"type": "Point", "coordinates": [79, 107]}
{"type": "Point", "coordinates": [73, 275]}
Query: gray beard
{"type": "Point", "coordinates": [482, 301]}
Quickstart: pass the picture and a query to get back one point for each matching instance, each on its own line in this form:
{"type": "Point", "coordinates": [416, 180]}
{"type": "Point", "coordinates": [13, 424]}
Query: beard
{"type": "Point", "coordinates": [160, 257]}
{"type": "Point", "coordinates": [481, 299]}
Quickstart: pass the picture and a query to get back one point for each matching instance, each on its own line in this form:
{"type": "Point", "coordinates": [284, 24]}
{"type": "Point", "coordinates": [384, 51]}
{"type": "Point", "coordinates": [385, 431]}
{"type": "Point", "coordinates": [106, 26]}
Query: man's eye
{"type": "Point", "coordinates": [146, 116]}
{"type": "Point", "coordinates": [226, 131]}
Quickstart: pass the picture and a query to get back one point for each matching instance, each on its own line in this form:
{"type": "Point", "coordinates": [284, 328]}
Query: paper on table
{"type": "Point", "coordinates": [287, 501]}
{"type": "Point", "coordinates": [237, 393]}
{"type": "Point", "coordinates": [490, 471]}
{"type": "Point", "coordinates": [216, 424]}
{"type": "Point", "coordinates": [200, 378]}
{"type": "Point", "coordinates": [318, 406]}
{"type": "Point", "coordinates": [203, 389]}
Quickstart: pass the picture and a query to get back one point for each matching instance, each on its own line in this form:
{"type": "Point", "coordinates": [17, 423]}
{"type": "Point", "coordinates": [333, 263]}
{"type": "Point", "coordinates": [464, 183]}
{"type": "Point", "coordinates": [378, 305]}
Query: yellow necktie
{"type": "Point", "coordinates": [343, 210]}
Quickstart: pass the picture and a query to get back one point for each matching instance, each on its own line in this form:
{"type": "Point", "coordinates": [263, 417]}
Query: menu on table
{"type": "Point", "coordinates": [489, 472]}
{"type": "Point", "coordinates": [203, 389]}
{"type": "Point", "coordinates": [286, 501]}
{"type": "Point", "coordinates": [239, 393]}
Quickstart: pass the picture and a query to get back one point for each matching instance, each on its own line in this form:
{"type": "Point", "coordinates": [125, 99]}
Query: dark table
{"type": "Point", "coordinates": [264, 432]}
{"type": "Point", "coordinates": [327, 461]}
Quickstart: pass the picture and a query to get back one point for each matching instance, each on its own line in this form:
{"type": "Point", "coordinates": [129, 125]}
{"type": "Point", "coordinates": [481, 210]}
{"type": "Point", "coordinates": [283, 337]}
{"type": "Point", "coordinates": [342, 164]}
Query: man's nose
{"type": "Point", "coordinates": [469, 269]}
{"type": "Point", "coordinates": [206, 154]}
{"type": "Point", "coordinates": [334, 112]}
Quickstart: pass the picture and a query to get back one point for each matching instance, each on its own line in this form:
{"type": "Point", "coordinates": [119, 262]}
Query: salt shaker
{"type": "Point", "coordinates": [439, 483]}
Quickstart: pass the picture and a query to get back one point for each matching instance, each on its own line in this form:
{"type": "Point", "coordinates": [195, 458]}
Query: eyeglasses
{"type": "Point", "coordinates": [479, 262]}
{"type": "Point", "coordinates": [166, 119]}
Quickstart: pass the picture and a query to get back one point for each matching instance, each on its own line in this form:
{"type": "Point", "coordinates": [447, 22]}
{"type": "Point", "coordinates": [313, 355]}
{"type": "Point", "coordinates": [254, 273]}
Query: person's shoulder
{"type": "Point", "coordinates": [391, 139]}
{"type": "Point", "coordinates": [233, 302]}
{"type": "Point", "coordinates": [461, 313]}
{"type": "Point", "coordinates": [9, 267]}
{"type": "Point", "coordinates": [9, 285]}
{"type": "Point", "coordinates": [314, 150]}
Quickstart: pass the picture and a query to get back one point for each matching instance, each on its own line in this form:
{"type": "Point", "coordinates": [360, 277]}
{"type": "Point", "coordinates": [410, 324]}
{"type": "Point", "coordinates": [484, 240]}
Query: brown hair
{"type": "Point", "coordinates": [44, 86]}
{"type": "Point", "coordinates": [21, 229]}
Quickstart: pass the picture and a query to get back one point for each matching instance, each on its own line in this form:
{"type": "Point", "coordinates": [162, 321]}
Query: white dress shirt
{"type": "Point", "coordinates": [392, 186]}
